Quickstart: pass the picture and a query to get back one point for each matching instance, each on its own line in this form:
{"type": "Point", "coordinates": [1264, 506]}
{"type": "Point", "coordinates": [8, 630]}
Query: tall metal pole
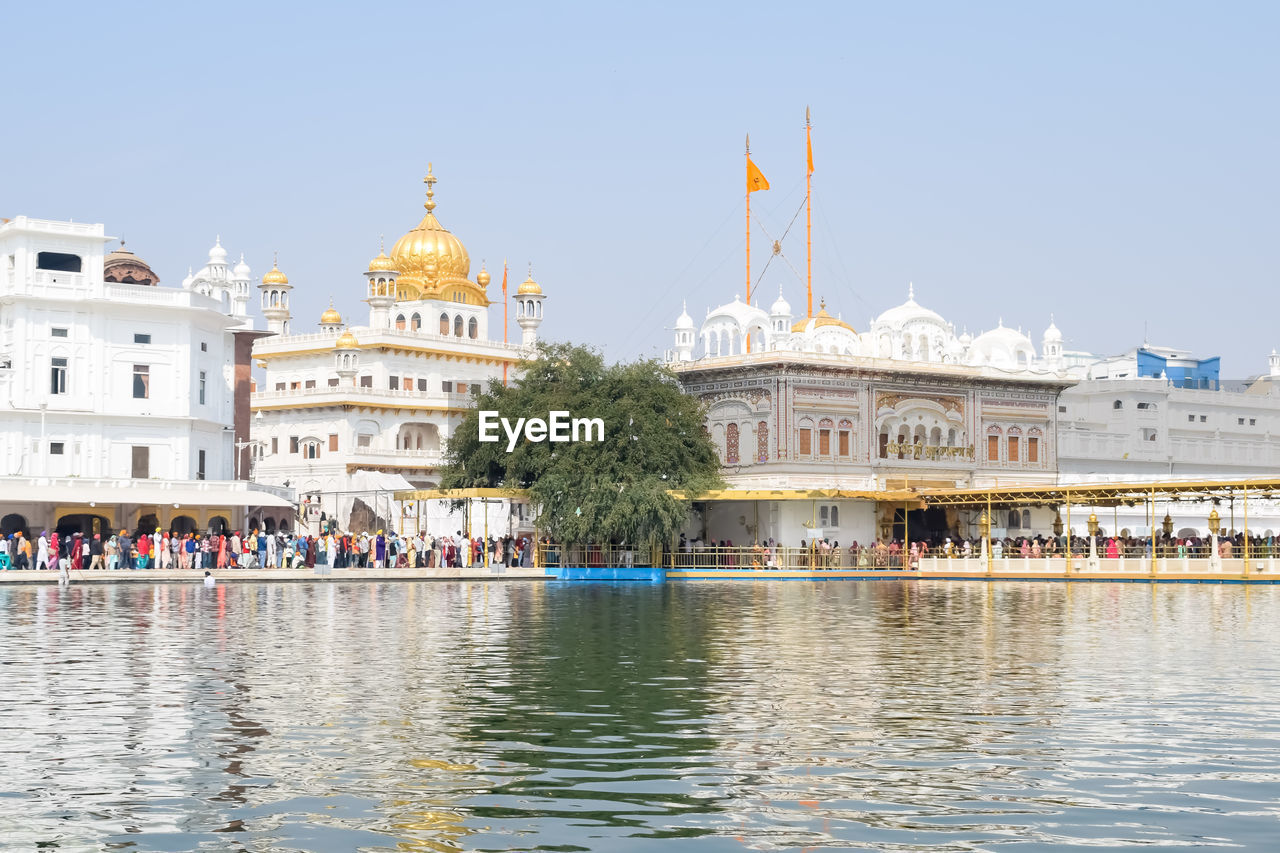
{"type": "Point", "coordinates": [808, 212]}
{"type": "Point", "coordinates": [748, 228]}
{"type": "Point", "coordinates": [1246, 531]}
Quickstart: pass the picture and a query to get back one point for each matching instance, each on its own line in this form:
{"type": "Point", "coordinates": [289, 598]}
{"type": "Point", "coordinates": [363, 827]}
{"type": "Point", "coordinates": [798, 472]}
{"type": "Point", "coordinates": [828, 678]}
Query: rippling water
{"type": "Point", "coordinates": [522, 716]}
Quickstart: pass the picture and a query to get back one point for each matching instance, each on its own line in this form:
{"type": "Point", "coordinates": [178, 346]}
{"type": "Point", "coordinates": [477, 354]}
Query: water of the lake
{"type": "Point", "coordinates": [522, 716]}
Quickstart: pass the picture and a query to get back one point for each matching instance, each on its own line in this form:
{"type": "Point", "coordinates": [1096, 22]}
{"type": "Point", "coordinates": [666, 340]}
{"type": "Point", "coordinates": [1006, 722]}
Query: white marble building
{"type": "Point", "coordinates": [810, 402]}
{"type": "Point", "coordinates": [120, 393]}
{"type": "Point", "coordinates": [350, 412]}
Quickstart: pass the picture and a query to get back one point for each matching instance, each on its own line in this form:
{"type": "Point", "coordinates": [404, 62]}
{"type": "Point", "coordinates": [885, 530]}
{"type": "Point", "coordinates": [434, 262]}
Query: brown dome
{"type": "Point", "coordinates": [124, 267]}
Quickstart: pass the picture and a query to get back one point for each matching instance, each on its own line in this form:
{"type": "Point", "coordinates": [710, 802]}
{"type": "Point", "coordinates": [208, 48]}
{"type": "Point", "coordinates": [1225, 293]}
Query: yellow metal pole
{"type": "Point", "coordinates": [906, 539]}
{"type": "Point", "coordinates": [1068, 531]}
{"type": "Point", "coordinates": [485, 504]}
{"type": "Point", "coordinates": [987, 535]}
{"type": "Point", "coordinates": [1246, 531]}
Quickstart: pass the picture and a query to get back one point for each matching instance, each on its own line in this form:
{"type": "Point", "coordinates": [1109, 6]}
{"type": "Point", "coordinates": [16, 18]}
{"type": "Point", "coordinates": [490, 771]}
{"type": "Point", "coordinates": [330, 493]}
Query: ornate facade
{"type": "Point", "coordinates": [348, 413]}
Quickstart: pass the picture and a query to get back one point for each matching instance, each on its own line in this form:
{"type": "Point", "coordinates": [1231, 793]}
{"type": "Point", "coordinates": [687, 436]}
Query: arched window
{"type": "Point", "coordinates": [1015, 520]}
{"type": "Point", "coordinates": [415, 322]}
{"type": "Point", "coordinates": [835, 516]}
{"type": "Point", "coordinates": [805, 439]}
{"type": "Point", "coordinates": [762, 441]}
{"type": "Point", "coordinates": [473, 327]}
{"type": "Point", "coordinates": [993, 444]}
{"type": "Point", "coordinates": [825, 427]}
{"type": "Point", "coordinates": [457, 326]}
{"type": "Point", "coordinates": [444, 324]}
{"type": "Point", "coordinates": [1150, 406]}
{"type": "Point", "coordinates": [400, 322]}
{"type": "Point", "coordinates": [1026, 519]}
{"type": "Point", "coordinates": [1117, 405]}
{"type": "Point", "coordinates": [845, 444]}
{"type": "Point", "coordinates": [731, 444]}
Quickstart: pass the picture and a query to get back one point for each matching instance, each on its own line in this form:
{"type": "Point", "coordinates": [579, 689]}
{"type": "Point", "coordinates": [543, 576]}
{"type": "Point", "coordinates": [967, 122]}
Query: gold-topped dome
{"type": "Point", "coordinates": [822, 318]}
{"type": "Point", "coordinates": [482, 277]}
{"type": "Point", "coordinates": [529, 286]}
{"type": "Point", "coordinates": [429, 258]}
{"type": "Point", "coordinates": [274, 276]}
{"type": "Point", "coordinates": [382, 263]}
{"type": "Point", "coordinates": [347, 341]}
{"type": "Point", "coordinates": [331, 317]}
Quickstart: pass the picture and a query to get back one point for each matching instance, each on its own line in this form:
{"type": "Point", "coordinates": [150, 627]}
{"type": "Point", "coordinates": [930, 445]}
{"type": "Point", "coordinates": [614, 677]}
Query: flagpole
{"type": "Point", "coordinates": [808, 210]}
{"type": "Point", "coordinates": [504, 335]}
{"type": "Point", "coordinates": [748, 224]}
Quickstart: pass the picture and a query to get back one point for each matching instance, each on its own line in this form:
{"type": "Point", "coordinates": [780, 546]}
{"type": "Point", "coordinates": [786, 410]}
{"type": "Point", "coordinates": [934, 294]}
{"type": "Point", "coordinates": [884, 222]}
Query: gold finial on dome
{"type": "Point", "coordinates": [529, 285]}
{"type": "Point", "coordinates": [274, 276]}
{"type": "Point", "coordinates": [347, 341]}
{"type": "Point", "coordinates": [381, 263]}
{"type": "Point", "coordinates": [432, 262]}
{"type": "Point", "coordinates": [331, 317]}
{"type": "Point", "coordinates": [430, 181]}
{"type": "Point", "coordinates": [482, 277]}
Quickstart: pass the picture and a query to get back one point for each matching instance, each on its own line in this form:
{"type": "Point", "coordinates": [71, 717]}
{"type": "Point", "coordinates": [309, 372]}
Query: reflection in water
{"type": "Point", "coordinates": [446, 716]}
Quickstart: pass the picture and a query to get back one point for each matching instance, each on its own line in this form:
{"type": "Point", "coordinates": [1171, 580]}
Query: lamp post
{"type": "Point", "coordinates": [1215, 559]}
{"type": "Point", "coordinates": [1093, 562]}
{"type": "Point", "coordinates": [984, 529]}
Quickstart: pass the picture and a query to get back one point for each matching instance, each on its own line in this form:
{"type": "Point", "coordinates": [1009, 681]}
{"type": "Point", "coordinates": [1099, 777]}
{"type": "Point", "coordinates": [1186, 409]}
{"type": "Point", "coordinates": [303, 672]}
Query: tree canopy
{"type": "Point", "coordinates": [615, 490]}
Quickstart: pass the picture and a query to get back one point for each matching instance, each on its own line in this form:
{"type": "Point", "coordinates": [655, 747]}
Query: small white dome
{"type": "Point", "coordinates": [1052, 333]}
{"type": "Point", "coordinates": [780, 308]}
{"type": "Point", "coordinates": [739, 312]}
{"type": "Point", "coordinates": [218, 255]}
{"type": "Point", "coordinates": [684, 321]}
{"type": "Point", "coordinates": [900, 315]}
{"type": "Point", "coordinates": [242, 271]}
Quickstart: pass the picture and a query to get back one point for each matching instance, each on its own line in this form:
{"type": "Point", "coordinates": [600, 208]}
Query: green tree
{"type": "Point", "coordinates": [610, 491]}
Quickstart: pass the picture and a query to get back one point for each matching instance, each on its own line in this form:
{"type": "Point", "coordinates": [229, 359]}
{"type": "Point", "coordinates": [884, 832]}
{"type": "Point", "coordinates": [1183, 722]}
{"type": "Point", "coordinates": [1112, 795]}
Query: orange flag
{"type": "Point", "coordinates": [809, 144]}
{"type": "Point", "coordinates": [755, 178]}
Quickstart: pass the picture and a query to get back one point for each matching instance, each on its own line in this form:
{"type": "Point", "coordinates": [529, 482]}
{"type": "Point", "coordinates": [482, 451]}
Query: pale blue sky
{"type": "Point", "coordinates": [1112, 163]}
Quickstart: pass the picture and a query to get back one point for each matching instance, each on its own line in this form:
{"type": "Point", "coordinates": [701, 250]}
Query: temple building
{"type": "Point", "coordinates": [348, 411]}
{"type": "Point", "coordinates": [811, 403]}
{"type": "Point", "coordinates": [125, 400]}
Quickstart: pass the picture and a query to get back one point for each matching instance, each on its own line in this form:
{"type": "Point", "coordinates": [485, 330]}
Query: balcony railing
{"type": "Point", "coordinates": [358, 393]}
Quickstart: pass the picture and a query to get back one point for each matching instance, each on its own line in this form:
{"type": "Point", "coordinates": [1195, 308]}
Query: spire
{"type": "Point", "coordinates": [911, 291]}
{"type": "Point", "coordinates": [430, 181]}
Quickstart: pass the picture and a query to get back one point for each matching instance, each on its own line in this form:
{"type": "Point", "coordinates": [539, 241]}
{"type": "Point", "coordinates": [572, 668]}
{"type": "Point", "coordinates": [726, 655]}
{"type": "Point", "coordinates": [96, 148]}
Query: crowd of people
{"type": "Point", "coordinates": [893, 554]}
{"type": "Point", "coordinates": [332, 549]}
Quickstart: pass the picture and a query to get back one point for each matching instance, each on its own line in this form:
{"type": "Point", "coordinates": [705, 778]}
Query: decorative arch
{"type": "Point", "coordinates": [444, 323]}
{"type": "Point", "coordinates": [457, 326]}
{"type": "Point", "coordinates": [762, 441]}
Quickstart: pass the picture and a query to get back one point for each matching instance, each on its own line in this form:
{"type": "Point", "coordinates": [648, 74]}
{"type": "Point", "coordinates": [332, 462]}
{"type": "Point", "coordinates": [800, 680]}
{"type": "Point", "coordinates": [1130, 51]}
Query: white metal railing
{"type": "Point", "coordinates": [439, 398]}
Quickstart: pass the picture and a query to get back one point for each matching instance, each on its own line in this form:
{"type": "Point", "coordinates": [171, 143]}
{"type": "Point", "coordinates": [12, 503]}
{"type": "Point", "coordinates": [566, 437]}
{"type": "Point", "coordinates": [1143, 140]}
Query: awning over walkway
{"type": "Point", "coordinates": [459, 494]}
{"type": "Point", "coordinates": [112, 492]}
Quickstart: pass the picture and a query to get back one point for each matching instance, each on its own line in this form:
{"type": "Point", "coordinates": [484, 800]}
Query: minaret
{"type": "Point", "coordinates": [346, 358]}
{"type": "Point", "coordinates": [529, 309]}
{"type": "Point", "coordinates": [382, 288]}
{"type": "Point", "coordinates": [684, 335]}
{"type": "Point", "coordinates": [240, 278]}
{"type": "Point", "coordinates": [780, 314]}
{"type": "Point", "coordinates": [1051, 346]}
{"type": "Point", "coordinates": [331, 320]}
{"type": "Point", "coordinates": [275, 289]}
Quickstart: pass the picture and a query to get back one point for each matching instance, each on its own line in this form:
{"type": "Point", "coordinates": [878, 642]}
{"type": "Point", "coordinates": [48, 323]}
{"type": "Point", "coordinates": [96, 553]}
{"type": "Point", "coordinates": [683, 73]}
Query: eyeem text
{"type": "Point", "coordinates": [558, 426]}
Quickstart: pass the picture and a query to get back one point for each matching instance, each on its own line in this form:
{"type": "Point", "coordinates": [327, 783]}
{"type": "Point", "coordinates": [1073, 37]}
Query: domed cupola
{"type": "Point", "coordinates": [433, 264]}
{"type": "Point", "coordinates": [780, 313]}
{"type": "Point", "coordinates": [124, 267]}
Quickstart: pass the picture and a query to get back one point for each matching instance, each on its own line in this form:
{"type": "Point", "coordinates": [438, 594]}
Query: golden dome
{"type": "Point", "coordinates": [429, 257]}
{"type": "Point", "coordinates": [331, 317]}
{"type": "Point", "coordinates": [822, 318]}
{"type": "Point", "coordinates": [529, 286]}
{"type": "Point", "coordinates": [381, 263]}
{"type": "Point", "coordinates": [274, 276]}
{"type": "Point", "coordinates": [347, 341]}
